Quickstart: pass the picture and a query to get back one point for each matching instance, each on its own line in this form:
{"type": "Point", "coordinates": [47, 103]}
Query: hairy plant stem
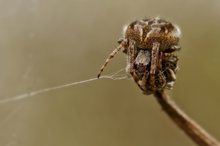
{"type": "Point", "coordinates": [184, 122]}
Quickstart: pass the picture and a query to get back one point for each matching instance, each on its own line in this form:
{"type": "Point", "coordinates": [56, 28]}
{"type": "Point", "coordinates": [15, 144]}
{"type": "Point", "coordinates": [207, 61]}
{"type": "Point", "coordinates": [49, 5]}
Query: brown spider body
{"type": "Point", "coordinates": [150, 45]}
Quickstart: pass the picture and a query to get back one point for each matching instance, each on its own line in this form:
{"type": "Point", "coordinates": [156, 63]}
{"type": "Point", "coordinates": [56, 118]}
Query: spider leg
{"type": "Point", "coordinates": [171, 79]}
{"type": "Point", "coordinates": [159, 64]}
{"type": "Point", "coordinates": [132, 52]}
{"type": "Point", "coordinates": [172, 75]}
{"type": "Point", "coordinates": [154, 64]}
{"type": "Point", "coordinates": [162, 80]}
{"type": "Point", "coordinates": [114, 52]}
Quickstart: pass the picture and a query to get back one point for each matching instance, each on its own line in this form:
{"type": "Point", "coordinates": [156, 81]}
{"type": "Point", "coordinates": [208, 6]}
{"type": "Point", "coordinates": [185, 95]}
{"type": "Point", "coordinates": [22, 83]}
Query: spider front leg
{"type": "Point", "coordinates": [154, 64]}
{"type": "Point", "coordinates": [122, 46]}
{"type": "Point", "coordinates": [132, 54]}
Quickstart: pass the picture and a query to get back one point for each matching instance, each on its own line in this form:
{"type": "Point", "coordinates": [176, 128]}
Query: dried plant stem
{"type": "Point", "coordinates": [184, 122]}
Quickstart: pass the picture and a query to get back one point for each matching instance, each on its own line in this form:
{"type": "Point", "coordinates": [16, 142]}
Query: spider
{"type": "Point", "coordinates": [150, 46]}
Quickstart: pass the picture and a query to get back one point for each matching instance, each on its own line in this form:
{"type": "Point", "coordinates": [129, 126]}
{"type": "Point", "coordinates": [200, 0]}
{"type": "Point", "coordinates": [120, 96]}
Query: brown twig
{"type": "Point", "coordinates": [184, 122]}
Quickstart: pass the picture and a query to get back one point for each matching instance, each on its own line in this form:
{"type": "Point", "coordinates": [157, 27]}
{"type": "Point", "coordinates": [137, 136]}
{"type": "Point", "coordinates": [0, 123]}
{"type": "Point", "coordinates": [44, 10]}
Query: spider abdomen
{"type": "Point", "coordinates": [147, 31]}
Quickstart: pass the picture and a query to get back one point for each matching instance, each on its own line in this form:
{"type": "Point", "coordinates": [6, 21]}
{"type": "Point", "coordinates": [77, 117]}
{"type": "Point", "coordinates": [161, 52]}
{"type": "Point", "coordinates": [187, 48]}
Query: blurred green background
{"type": "Point", "coordinates": [53, 42]}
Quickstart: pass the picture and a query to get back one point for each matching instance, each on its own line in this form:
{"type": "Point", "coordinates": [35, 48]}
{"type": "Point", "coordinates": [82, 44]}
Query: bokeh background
{"type": "Point", "coordinates": [44, 43]}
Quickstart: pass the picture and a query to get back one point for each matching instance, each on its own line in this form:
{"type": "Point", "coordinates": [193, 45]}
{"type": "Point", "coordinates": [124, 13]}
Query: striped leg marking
{"type": "Point", "coordinates": [115, 51]}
